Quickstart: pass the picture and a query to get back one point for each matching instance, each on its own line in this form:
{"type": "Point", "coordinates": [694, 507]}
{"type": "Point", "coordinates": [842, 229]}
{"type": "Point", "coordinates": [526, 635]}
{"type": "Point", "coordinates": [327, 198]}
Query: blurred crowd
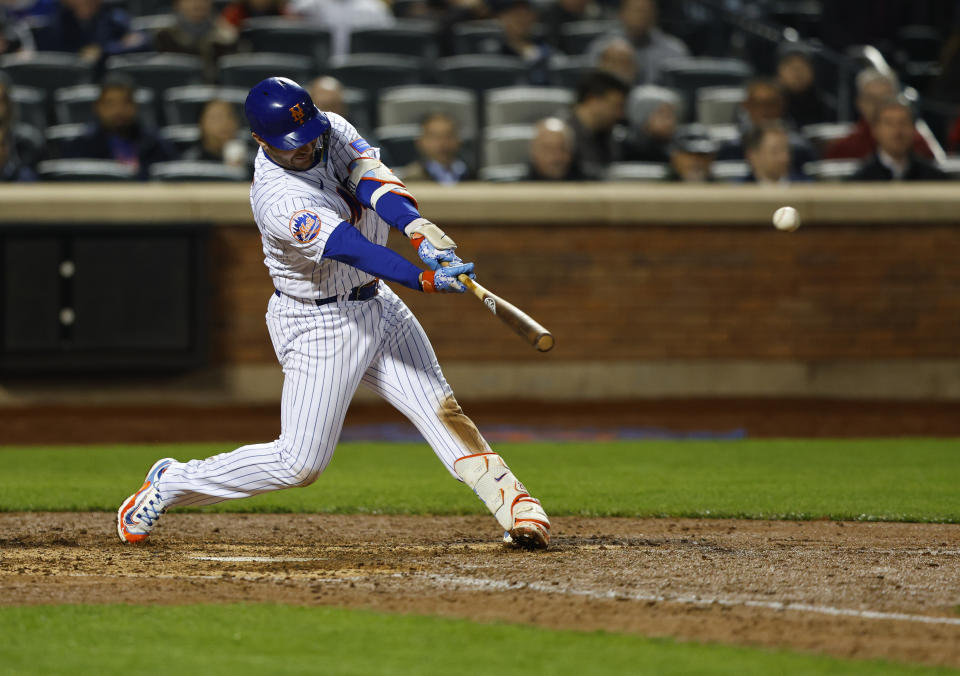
{"type": "Point", "coordinates": [761, 91]}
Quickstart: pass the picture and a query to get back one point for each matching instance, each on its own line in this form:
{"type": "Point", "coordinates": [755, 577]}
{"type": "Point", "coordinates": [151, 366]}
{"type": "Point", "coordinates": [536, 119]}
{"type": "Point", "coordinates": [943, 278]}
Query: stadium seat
{"type": "Point", "coordinates": [153, 23]}
{"type": "Point", "coordinates": [566, 71]}
{"type": "Point", "coordinates": [407, 36]}
{"type": "Point", "coordinates": [398, 143]}
{"type": "Point", "coordinates": [723, 133]}
{"type": "Point", "coordinates": [821, 134]}
{"type": "Point", "coordinates": [687, 75]}
{"type": "Point", "coordinates": [730, 170]}
{"type": "Point", "coordinates": [476, 37]}
{"type": "Point", "coordinates": [481, 71]}
{"type": "Point", "coordinates": [718, 105]}
{"type": "Point", "coordinates": [639, 96]}
{"type": "Point", "coordinates": [182, 105]}
{"type": "Point", "coordinates": [504, 173]}
{"type": "Point", "coordinates": [509, 144]}
{"type": "Point", "coordinates": [59, 136]}
{"type": "Point", "coordinates": [46, 70]}
{"type": "Point", "coordinates": [373, 72]}
{"type": "Point", "coordinates": [30, 142]}
{"type": "Point", "coordinates": [577, 36]}
{"type": "Point", "coordinates": [831, 170]}
{"type": "Point", "coordinates": [85, 170]}
{"type": "Point", "coordinates": [180, 136]}
{"type": "Point", "coordinates": [246, 70]}
{"type": "Point", "coordinates": [408, 105]}
{"type": "Point", "coordinates": [196, 171]}
{"type": "Point", "coordinates": [158, 71]}
{"type": "Point", "coordinates": [279, 35]}
{"type": "Point", "coordinates": [524, 105]}
{"type": "Point", "coordinates": [29, 105]}
{"type": "Point", "coordinates": [358, 106]}
{"type": "Point", "coordinates": [637, 171]}
{"type": "Point", "coordinates": [75, 104]}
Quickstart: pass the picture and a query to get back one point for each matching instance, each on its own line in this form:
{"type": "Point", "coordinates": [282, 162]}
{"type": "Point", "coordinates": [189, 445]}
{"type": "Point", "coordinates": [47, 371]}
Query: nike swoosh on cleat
{"type": "Point", "coordinates": [501, 476]}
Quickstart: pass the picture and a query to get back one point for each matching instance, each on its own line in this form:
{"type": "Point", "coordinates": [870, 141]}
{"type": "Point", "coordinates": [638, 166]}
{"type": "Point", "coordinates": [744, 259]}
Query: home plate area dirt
{"type": "Point", "coordinates": [857, 590]}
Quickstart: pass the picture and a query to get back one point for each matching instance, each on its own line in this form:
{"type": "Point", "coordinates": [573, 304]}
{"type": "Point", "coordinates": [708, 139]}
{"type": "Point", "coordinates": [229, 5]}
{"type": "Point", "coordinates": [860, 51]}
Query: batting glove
{"type": "Point", "coordinates": [444, 280]}
{"type": "Point", "coordinates": [433, 256]}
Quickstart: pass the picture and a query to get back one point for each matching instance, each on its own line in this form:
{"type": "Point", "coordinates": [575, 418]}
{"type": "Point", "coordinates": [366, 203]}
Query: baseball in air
{"type": "Point", "coordinates": [786, 219]}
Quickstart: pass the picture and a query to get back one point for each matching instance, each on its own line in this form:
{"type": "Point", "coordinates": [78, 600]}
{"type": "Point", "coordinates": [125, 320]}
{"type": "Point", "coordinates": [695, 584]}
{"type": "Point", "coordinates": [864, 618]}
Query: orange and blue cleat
{"type": "Point", "coordinates": [140, 512]}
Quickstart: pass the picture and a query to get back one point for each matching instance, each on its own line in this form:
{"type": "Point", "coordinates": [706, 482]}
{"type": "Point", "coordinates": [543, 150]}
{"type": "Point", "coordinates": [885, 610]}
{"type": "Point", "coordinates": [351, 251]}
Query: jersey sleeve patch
{"type": "Point", "coordinates": [305, 226]}
{"type": "Point", "coordinates": [360, 145]}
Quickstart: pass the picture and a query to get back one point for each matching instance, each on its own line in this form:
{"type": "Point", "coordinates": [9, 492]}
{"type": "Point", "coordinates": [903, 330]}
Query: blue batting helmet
{"type": "Point", "coordinates": [282, 113]}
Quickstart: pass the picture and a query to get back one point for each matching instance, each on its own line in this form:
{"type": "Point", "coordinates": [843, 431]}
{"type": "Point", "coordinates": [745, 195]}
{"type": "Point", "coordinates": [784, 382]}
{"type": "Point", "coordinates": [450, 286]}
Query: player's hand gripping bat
{"type": "Point", "coordinates": [524, 325]}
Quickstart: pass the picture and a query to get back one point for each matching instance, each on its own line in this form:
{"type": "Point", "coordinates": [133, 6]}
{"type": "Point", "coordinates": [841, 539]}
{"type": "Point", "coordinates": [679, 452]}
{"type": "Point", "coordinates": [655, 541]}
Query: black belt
{"type": "Point", "coordinates": [365, 292]}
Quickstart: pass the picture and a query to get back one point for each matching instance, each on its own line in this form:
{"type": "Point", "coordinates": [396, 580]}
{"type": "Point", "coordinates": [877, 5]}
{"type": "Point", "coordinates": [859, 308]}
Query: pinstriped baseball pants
{"type": "Point", "coordinates": [326, 352]}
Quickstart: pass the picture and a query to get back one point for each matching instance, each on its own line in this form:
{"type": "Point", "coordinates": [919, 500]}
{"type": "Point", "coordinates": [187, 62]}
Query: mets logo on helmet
{"type": "Point", "coordinates": [296, 112]}
{"type": "Point", "coordinates": [304, 226]}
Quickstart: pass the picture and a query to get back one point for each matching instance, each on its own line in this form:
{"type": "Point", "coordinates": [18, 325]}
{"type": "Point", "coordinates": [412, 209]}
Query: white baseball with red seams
{"type": "Point", "coordinates": [327, 351]}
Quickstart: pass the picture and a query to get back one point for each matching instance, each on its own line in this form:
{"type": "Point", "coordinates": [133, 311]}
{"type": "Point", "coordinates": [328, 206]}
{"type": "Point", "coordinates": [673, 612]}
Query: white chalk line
{"type": "Point", "coordinates": [686, 599]}
{"type": "Point", "coordinates": [257, 559]}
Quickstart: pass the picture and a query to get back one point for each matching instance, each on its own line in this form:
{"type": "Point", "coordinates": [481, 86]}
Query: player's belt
{"type": "Point", "coordinates": [365, 292]}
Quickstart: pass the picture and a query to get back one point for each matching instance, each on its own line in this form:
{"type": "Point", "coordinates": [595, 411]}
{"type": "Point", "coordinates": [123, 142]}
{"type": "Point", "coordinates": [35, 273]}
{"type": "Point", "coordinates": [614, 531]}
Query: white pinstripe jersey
{"type": "Point", "coordinates": [297, 210]}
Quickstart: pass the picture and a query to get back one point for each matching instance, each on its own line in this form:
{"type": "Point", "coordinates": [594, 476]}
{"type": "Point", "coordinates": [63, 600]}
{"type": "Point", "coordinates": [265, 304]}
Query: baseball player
{"type": "Point", "coordinates": [323, 202]}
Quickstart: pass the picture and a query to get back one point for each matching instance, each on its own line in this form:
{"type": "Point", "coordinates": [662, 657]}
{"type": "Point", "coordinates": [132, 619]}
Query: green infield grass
{"type": "Point", "coordinates": [278, 639]}
{"type": "Point", "coordinates": [889, 479]}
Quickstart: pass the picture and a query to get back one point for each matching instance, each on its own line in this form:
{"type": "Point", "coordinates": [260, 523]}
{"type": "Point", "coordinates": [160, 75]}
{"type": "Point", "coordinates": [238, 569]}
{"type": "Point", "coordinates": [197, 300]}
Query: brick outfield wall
{"type": "Point", "coordinates": [659, 292]}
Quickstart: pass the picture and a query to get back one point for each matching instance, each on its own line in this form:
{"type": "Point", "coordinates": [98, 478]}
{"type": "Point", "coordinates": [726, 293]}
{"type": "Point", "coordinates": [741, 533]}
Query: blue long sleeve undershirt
{"type": "Point", "coordinates": [347, 245]}
{"type": "Point", "coordinates": [395, 209]}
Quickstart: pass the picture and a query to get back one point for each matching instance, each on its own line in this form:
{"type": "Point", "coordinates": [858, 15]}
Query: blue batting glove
{"type": "Point", "coordinates": [444, 279]}
{"type": "Point", "coordinates": [433, 256]}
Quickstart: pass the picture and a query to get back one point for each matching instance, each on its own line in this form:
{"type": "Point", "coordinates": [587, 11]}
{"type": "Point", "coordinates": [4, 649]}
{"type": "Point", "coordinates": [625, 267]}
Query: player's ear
{"type": "Point", "coordinates": [260, 141]}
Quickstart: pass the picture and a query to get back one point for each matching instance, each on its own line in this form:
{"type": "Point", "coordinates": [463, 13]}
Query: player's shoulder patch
{"type": "Point", "coordinates": [305, 225]}
{"type": "Point", "coordinates": [360, 145]}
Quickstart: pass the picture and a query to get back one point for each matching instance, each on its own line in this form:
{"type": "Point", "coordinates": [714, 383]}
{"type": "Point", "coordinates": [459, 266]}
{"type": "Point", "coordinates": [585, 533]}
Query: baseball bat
{"type": "Point", "coordinates": [523, 324]}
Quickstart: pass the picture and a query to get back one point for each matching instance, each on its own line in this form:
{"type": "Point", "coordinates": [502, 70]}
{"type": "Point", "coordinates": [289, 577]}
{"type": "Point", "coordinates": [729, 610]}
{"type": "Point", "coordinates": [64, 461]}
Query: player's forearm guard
{"type": "Point", "coordinates": [383, 181]}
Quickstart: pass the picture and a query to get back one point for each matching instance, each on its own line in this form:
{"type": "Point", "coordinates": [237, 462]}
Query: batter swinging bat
{"type": "Point", "coordinates": [523, 324]}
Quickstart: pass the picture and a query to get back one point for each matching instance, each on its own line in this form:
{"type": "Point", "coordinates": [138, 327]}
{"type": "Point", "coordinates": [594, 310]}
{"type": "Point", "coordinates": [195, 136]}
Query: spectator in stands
{"type": "Point", "coordinates": [551, 153]}
{"type": "Point", "coordinates": [117, 134]}
{"type": "Point", "coordinates": [895, 158]}
{"type": "Point", "coordinates": [598, 108]}
{"type": "Point", "coordinates": [11, 168]}
{"type": "Point", "coordinates": [237, 12]}
{"type": "Point", "coordinates": [653, 46]}
{"type": "Point", "coordinates": [439, 148]}
{"type": "Point", "coordinates": [219, 142]}
{"type": "Point", "coordinates": [692, 155]}
{"type": "Point", "coordinates": [873, 87]}
{"type": "Point", "coordinates": [764, 103]}
{"type": "Point", "coordinates": [555, 14]}
{"type": "Point", "coordinates": [803, 102]}
{"type": "Point", "coordinates": [343, 16]}
{"type": "Point", "coordinates": [768, 154]}
{"type": "Point", "coordinates": [518, 21]}
{"type": "Point", "coordinates": [200, 32]}
{"type": "Point", "coordinates": [618, 57]}
{"type": "Point", "coordinates": [327, 94]}
{"type": "Point", "coordinates": [652, 114]}
{"type": "Point", "coordinates": [91, 29]}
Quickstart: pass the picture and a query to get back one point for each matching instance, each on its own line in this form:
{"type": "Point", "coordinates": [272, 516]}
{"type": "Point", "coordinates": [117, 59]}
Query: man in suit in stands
{"type": "Point", "coordinates": [873, 87]}
{"type": "Point", "coordinates": [895, 158]}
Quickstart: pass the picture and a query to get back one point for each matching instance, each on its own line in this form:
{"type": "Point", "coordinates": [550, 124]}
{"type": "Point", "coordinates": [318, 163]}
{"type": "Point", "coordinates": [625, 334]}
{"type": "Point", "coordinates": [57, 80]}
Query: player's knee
{"type": "Point", "coordinates": [304, 468]}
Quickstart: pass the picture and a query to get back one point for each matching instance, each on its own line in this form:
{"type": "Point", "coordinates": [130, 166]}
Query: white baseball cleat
{"type": "Point", "coordinates": [522, 517]}
{"type": "Point", "coordinates": [138, 514]}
